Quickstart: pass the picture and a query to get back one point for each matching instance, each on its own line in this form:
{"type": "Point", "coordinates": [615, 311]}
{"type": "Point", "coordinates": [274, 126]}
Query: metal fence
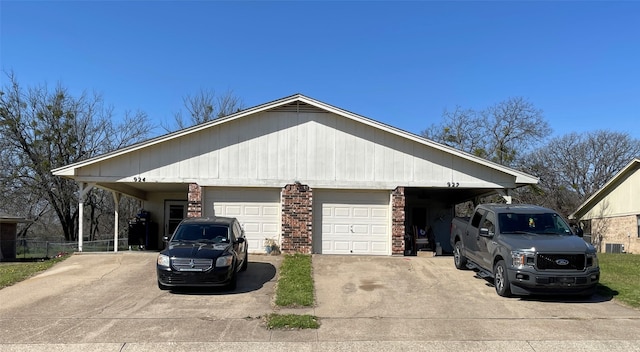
{"type": "Point", "coordinates": [28, 249]}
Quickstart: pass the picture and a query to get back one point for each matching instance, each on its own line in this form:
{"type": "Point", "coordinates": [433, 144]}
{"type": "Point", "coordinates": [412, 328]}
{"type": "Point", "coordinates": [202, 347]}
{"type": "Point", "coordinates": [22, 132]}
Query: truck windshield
{"type": "Point", "coordinates": [540, 223]}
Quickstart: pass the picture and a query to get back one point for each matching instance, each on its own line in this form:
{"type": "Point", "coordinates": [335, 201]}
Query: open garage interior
{"type": "Point", "coordinates": [428, 215]}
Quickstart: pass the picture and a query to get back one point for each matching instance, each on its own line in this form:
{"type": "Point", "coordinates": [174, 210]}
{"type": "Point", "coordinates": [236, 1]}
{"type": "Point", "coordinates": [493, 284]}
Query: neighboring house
{"type": "Point", "coordinates": [311, 176]}
{"type": "Point", "coordinates": [8, 232]}
{"type": "Point", "coordinates": [612, 215]}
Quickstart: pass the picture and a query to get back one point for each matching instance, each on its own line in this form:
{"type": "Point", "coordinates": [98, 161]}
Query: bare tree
{"type": "Point", "coordinates": [501, 133]}
{"type": "Point", "coordinates": [206, 106]}
{"type": "Point", "coordinates": [514, 126]}
{"type": "Point", "coordinates": [574, 166]}
{"type": "Point", "coordinates": [461, 129]}
{"type": "Point", "coordinates": [43, 129]}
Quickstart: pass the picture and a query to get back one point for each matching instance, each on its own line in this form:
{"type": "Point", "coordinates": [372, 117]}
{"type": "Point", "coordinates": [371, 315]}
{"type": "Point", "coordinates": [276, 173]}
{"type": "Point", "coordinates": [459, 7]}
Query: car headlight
{"type": "Point", "coordinates": [226, 260]}
{"type": "Point", "coordinates": [163, 260]}
{"type": "Point", "coordinates": [521, 259]}
{"type": "Point", "coordinates": [592, 260]}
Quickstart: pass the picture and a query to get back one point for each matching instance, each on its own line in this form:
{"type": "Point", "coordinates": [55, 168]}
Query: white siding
{"type": "Point", "coordinates": [622, 200]}
{"type": "Point", "coordinates": [320, 149]}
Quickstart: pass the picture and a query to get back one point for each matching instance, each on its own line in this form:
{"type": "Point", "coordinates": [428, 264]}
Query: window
{"type": "Point", "coordinates": [488, 223]}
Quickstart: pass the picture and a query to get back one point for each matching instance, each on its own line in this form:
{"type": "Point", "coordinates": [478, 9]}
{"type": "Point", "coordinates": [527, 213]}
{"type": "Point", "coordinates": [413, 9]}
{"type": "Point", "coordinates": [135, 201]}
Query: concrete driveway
{"type": "Point", "coordinates": [110, 302]}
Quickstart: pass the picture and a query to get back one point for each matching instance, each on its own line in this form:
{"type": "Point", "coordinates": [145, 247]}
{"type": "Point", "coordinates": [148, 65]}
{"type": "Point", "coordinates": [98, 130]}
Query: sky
{"type": "Point", "coordinates": [400, 63]}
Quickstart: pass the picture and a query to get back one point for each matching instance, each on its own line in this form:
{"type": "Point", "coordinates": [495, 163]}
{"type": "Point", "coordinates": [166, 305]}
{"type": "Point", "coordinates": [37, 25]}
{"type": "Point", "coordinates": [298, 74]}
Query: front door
{"type": "Point", "coordinates": [174, 212]}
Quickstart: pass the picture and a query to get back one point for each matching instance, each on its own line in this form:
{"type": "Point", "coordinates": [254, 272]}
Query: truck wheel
{"type": "Point", "coordinates": [458, 258]}
{"type": "Point", "coordinates": [501, 279]}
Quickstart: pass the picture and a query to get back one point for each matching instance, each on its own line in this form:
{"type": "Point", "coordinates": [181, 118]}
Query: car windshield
{"type": "Point", "coordinates": [202, 233]}
{"type": "Point", "coordinates": [540, 223]}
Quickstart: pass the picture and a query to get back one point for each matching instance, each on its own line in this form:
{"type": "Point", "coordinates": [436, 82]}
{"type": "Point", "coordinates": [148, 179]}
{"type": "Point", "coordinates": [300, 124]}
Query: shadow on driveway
{"type": "Point", "coordinates": [256, 276]}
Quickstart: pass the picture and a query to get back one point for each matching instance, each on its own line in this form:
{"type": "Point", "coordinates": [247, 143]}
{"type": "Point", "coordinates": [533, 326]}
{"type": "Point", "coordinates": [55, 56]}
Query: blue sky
{"type": "Point", "coordinates": [401, 63]}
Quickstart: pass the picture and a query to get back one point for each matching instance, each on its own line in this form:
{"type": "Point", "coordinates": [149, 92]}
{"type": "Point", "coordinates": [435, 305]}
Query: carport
{"type": "Point", "coordinates": [310, 176]}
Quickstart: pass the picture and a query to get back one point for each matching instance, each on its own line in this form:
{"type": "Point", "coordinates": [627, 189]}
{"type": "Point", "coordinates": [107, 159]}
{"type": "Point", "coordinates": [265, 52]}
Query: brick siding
{"type": "Point", "coordinates": [397, 222]}
{"type": "Point", "coordinates": [620, 229]}
{"type": "Point", "coordinates": [297, 219]}
{"type": "Point", "coordinates": [194, 209]}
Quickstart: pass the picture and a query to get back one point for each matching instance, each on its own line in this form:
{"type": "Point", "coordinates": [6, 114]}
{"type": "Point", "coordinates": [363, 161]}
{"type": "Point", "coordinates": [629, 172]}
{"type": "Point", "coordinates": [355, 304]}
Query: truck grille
{"type": "Point", "coordinates": [189, 264]}
{"type": "Point", "coordinates": [560, 261]}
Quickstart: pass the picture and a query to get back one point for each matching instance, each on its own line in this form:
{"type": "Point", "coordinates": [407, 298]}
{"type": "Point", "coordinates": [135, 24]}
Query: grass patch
{"type": "Point", "coordinates": [295, 284]}
{"type": "Point", "coordinates": [620, 277]}
{"type": "Point", "coordinates": [291, 321]}
{"type": "Point", "coordinates": [11, 273]}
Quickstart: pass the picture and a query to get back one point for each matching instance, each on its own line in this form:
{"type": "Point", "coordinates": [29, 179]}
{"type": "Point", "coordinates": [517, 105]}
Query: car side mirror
{"type": "Point", "coordinates": [484, 232]}
{"type": "Point", "coordinates": [240, 240]}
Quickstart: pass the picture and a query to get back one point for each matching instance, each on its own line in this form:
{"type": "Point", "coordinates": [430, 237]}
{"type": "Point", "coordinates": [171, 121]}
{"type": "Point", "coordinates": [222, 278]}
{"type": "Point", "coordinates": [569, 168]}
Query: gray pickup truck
{"type": "Point", "coordinates": [526, 249]}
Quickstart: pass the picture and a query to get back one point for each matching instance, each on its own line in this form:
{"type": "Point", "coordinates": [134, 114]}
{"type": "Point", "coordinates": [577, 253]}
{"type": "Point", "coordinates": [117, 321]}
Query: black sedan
{"type": "Point", "coordinates": [203, 252]}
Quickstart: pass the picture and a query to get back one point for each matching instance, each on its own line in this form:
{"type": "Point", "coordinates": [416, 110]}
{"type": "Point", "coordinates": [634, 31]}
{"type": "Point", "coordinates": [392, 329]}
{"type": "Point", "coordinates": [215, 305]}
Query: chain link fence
{"type": "Point", "coordinates": [34, 249]}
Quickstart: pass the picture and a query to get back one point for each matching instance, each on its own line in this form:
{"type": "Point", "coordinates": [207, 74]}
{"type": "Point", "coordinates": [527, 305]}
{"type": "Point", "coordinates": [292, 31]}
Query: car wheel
{"type": "Point", "coordinates": [245, 263]}
{"type": "Point", "coordinates": [458, 258]}
{"type": "Point", "coordinates": [163, 287]}
{"type": "Point", "coordinates": [501, 279]}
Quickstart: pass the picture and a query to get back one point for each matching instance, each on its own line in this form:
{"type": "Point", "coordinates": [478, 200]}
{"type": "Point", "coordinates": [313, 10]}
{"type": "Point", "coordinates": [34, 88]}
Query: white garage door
{"type": "Point", "coordinates": [352, 222]}
{"type": "Point", "coordinates": [257, 209]}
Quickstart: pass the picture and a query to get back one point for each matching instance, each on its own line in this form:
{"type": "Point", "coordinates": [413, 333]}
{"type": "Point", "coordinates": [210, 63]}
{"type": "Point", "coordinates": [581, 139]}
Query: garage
{"type": "Point", "coordinates": [257, 209]}
{"type": "Point", "coordinates": [311, 176]}
{"type": "Point", "coordinates": [352, 222]}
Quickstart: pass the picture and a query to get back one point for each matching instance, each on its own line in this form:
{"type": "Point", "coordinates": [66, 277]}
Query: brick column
{"type": "Point", "coordinates": [194, 208]}
{"type": "Point", "coordinates": [297, 219]}
{"type": "Point", "coordinates": [397, 222]}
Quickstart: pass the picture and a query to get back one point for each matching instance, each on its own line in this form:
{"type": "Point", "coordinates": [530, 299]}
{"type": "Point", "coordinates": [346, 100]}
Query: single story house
{"type": "Point", "coordinates": [311, 176]}
{"type": "Point", "coordinates": [612, 215]}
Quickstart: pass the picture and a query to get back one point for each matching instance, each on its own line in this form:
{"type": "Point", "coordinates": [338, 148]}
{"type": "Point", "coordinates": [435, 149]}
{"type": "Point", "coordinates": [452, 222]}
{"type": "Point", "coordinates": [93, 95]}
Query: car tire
{"type": "Point", "coordinates": [501, 279]}
{"type": "Point", "coordinates": [458, 258]}
{"type": "Point", "coordinates": [233, 282]}
{"type": "Point", "coordinates": [245, 262]}
{"type": "Point", "coordinates": [163, 287]}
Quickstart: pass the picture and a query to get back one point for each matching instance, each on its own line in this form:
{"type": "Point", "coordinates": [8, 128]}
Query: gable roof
{"type": "Point", "coordinates": [520, 177]}
{"type": "Point", "coordinates": [608, 187]}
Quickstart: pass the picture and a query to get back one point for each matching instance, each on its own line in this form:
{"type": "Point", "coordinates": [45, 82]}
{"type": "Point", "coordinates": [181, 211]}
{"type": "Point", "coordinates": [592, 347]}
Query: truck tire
{"type": "Point", "coordinates": [501, 279]}
{"type": "Point", "coordinates": [458, 258]}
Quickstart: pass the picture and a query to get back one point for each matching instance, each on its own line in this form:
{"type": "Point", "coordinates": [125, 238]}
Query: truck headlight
{"type": "Point", "coordinates": [163, 260]}
{"type": "Point", "coordinates": [521, 259]}
{"type": "Point", "coordinates": [592, 261]}
{"type": "Point", "coordinates": [226, 260]}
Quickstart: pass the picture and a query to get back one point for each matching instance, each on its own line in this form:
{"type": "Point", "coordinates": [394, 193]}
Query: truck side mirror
{"type": "Point", "coordinates": [485, 232]}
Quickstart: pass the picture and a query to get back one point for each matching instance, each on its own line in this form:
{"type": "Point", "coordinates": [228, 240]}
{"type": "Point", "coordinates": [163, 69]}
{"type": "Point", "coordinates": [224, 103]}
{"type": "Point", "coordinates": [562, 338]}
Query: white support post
{"type": "Point", "coordinates": [84, 189]}
{"type": "Point", "coordinates": [80, 222]}
{"type": "Point", "coordinates": [505, 195]}
{"type": "Point", "coordinates": [116, 200]}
